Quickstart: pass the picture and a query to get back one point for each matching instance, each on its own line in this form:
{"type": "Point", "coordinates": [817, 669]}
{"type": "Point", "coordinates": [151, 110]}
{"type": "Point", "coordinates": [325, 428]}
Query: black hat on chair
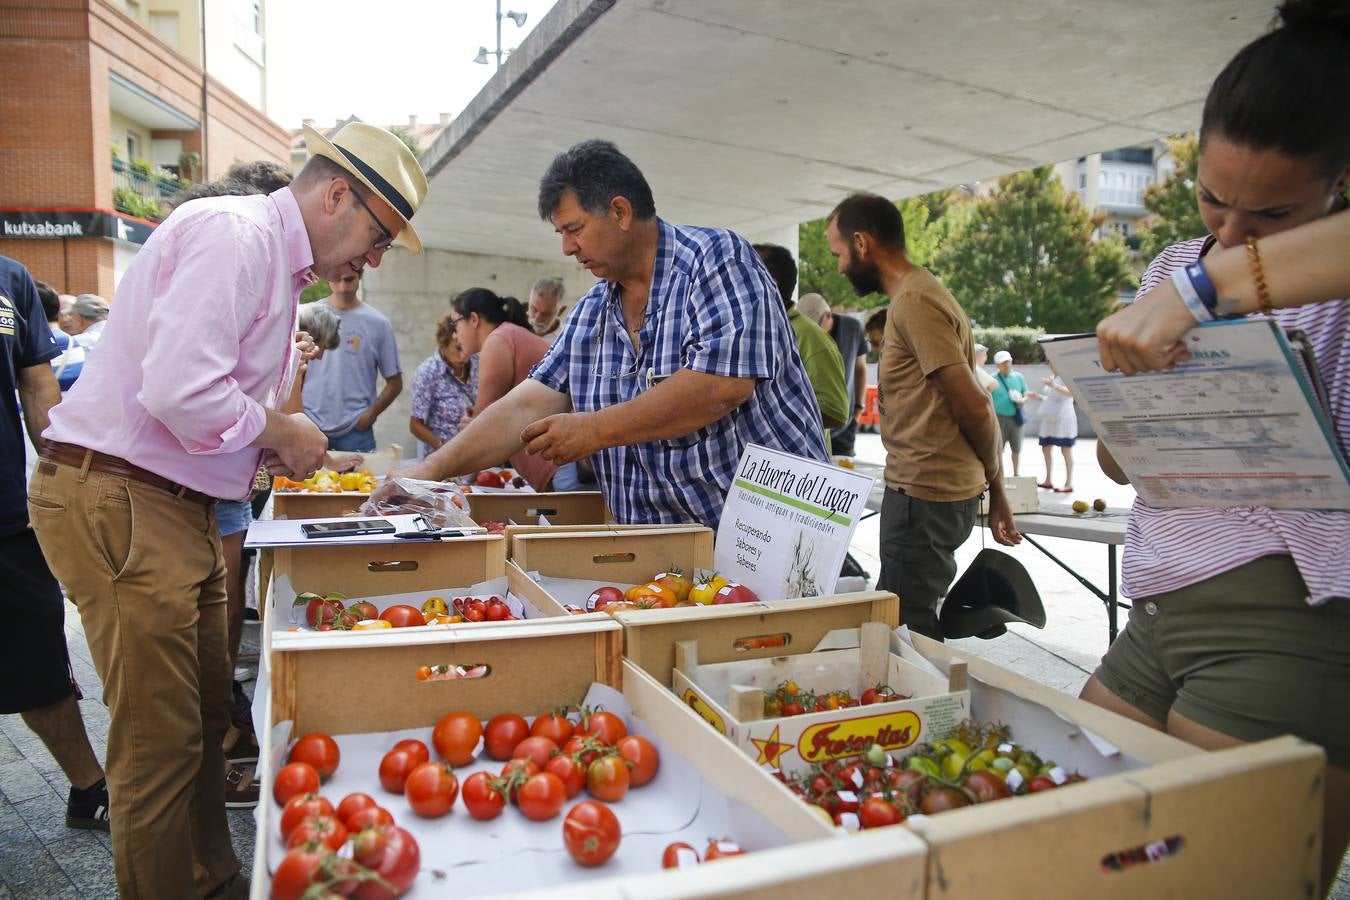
{"type": "Point", "coordinates": [996, 589]}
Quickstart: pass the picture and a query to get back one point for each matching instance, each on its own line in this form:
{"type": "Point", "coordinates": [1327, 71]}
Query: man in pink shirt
{"type": "Point", "coordinates": [155, 431]}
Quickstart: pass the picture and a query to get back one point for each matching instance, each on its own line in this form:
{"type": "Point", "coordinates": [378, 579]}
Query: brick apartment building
{"type": "Point", "coordinates": [104, 103]}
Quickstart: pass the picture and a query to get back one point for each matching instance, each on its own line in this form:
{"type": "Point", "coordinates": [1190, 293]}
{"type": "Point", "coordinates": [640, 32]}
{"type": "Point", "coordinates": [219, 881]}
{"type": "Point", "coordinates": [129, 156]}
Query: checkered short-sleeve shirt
{"type": "Point", "coordinates": [714, 309]}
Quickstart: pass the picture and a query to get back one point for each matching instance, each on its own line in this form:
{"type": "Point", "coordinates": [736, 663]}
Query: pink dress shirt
{"type": "Point", "coordinates": [200, 341]}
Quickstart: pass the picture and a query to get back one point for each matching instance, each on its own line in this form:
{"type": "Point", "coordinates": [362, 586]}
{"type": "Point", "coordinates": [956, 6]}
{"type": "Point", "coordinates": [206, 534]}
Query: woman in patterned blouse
{"type": "Point", "coordinates": [444, 388]}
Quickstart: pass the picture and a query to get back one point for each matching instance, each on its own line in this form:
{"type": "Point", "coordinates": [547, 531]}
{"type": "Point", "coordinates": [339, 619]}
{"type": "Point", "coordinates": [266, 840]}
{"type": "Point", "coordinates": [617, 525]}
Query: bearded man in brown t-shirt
{"type": "Point", "coordinates": [937, 423]}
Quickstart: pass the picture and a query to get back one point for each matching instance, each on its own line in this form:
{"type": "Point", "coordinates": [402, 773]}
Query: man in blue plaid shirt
{"type": "Point", "coordinates": [680, 356]}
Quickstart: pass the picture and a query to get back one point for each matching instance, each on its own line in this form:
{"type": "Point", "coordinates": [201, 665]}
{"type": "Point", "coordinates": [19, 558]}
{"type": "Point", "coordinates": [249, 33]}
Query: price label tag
{"type": "Point", "coordinates": [1015, 780]}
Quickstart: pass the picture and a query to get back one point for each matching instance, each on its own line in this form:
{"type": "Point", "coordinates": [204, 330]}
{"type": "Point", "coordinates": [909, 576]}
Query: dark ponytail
{"type": "Point", "coordinates": [1285, 91]}
{"type": "Point", "coordinates": [491, 307]}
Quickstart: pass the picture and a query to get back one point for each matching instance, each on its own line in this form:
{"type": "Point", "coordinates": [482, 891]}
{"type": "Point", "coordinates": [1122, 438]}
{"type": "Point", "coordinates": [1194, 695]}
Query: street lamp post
{"type": "Point", "coordinates": [517, 17]}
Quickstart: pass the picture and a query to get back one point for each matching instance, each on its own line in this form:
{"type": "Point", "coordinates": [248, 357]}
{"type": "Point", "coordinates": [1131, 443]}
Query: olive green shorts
{"type": "Point", "coordinates": [1242, 653]}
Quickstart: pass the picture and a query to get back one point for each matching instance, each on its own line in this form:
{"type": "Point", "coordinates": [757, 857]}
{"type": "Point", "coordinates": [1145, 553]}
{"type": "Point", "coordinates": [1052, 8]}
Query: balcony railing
{"type": "Point", "coordinates": [140, 193]}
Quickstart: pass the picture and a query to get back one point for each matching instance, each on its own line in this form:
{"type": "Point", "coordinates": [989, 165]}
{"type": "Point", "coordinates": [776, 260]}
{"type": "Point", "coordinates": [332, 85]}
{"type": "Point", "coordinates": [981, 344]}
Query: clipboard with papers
{"type": "Point", "coordinates": [1245, 422]}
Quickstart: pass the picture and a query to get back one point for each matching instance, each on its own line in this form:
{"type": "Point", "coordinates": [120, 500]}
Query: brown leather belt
{"type": "Point", "coordinates": [74, 455]}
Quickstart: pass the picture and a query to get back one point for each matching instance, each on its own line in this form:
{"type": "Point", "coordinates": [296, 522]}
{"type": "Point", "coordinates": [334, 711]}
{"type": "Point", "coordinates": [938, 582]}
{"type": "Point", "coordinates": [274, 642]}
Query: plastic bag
{"type": "Point", "coordinates": [442, 504]}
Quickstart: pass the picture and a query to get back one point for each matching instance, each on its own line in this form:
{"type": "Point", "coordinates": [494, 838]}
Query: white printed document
{"type": "Point", "coordinates": [1240, 424]}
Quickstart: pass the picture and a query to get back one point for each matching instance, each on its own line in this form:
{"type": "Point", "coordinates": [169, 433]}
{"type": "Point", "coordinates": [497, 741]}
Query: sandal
{"type": "Point", "coordinates": [241, 788]}
{"type": "Point", "coordinates": [1064, 490]}
{"type": "Point", "coordinates": [240, 746]}
{"type": "Point", "coordinates": [1045, 484]}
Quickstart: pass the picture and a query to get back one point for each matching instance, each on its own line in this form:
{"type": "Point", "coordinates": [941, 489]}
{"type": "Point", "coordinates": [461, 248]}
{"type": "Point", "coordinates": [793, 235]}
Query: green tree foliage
{"type": "Point", "coordinates": [408, 141]}
{"type": "Point", "coordinates": [1022, 342]}
{"type": "Point", "coordinates": [1025, 255]}
{"type": "Point", "coordinates": [928, 220]}
{"type": "Point", "coordinates": [1174, 214]}
{"type": "Point", "coordinates": [316, 291]}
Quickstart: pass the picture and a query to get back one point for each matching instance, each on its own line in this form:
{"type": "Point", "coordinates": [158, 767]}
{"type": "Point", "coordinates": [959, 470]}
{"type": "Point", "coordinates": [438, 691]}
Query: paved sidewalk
{"type": "Point", "coordinates": [41, 858]}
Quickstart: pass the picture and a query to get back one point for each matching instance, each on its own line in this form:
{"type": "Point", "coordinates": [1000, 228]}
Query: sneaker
{"type": "Point", "coordinates": [88, 808]}
{"type": "Point", "coordinates": [241, 788]}
{"type": "Point", "coordinates": [250, 614]}
{"type": "Point", "coordinates": [240, 746]}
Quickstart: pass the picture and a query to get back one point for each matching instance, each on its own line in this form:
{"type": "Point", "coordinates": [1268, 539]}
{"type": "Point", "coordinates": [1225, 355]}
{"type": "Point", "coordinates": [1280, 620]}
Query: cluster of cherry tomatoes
{"type": "Point", "coordinates": [669, 589]}
{"type": "Point", "coordinates": [499, 478]}
{"type": "Point", "coordinates": [333, 612]}
{"type": "Point", "coordinates": [547, 763]}
{"type": "Point", "coordinates": [788, 699]}
{"type": "Point", "coordinates": [383, 860]}
{"type": "Point", "coordinates": [974, 764]}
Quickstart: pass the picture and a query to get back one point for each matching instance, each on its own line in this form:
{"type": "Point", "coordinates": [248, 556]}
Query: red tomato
{"type": "Point", "coordinates": [555, 726]}
{"type": "Point", "coordinates": [299, 808]}
{"type": "Point", "coordinates": [792, 709]}
{"type": "Point", "coordinates": [941, 799]}
{"type": "Point", "coordinates": [720, 847]}
{"type": "Point", "coordinates": [497, 612]}
{"type": "Point", "coordinates": [295, 778]}
{"type": "Point", "coordinates": [301, 868]}
{"type": "Point", "coordinates": [431, 789]}
{"type": "Point", "coordinates": [591, 833]}
{"type": "Point", "coordinates": [320, 611]}
{"type": "Point", "coordinates": [395, 768]}
{"type": "Point", "coordinates": [678, 856]}
{"type": "Point", "coordinates": [488, 478]}
{"type": "Point", "coordinates": [456, 737]}
{"type": "Point", "coordinates": [503, 733]}
{"type": "Point", "coordinates": [484, 797]}
{"type": "Point", "coordinates": [734, 593]}
{"type": "Point", "coordinates": [365, 818]}
{"type": "Point", "coordinates": [541, 796]}
{"type": "Point", "coordinates": [364, 609]}
{"type": "Point", "coordinates": [1040, 783]}
{"type": "Point", "coordinates": [403, 616]}
{"type": "Point", "coordinates": [876, 812]}
{"type": "Point", "coordinates": [353, 803]}
{"type": "Point", "coordinates": [571, 772]}
{"type": "Point", "coordinates": [581, 749]}
{"type": "Point", "coordinates": [416, 748]}
{"type": "Point", "coordinates": [643, 757]}
{"type": "Point", "coordinates": [320, 751]}
{"type": "Point", "coordinates": [604, 726]}
{"type": "Point", "coordinates": [368, 846]}
{"type": "Point", "coordinates": [397, 867]}
{"type": "Point", "coordinates": [515, 773]}
{"type": "Point", "coordinates": [607, 779]}
{"type": "Point", "coordinates": [603, 597]}
{"type": "Point", "coordinates": [322, 829]}
{"type": "Point", "coordinates": [539, 749]}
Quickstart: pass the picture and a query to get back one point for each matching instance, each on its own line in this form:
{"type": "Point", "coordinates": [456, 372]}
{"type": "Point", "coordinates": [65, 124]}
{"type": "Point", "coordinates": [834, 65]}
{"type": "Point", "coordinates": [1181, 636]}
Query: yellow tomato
{"type": "Point", "coordinates": [649, 589]}
{"type": "Point", "coordinates": [371, 625]}
{"type": "Point", "coordinates": [704, 591]}
{"type": "Point", "coordinates": [350, 481]}
{"type": "Point", "coordinates": [434, 606]}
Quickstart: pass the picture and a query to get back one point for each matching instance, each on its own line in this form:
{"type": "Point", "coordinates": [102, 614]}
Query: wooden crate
{"type": "Point", "coordinates": [562, 508]}
{"type": "Point", "coordinates": [385, 570]}
{"type": "Point", "coordinates": [538, 667]}
{"type": "Point", "coordinates": [1249, 817]}
{"type": "Point", "coordinates": [747, 630]}
{"type": "Point", "coordinates": [610, 528]}
{"type": "Point", "coordinates": [626, 556]}
{"type": "Point", "coordinates": [559, 508]}
{"type": "Point", "coordinates": [306, 505]}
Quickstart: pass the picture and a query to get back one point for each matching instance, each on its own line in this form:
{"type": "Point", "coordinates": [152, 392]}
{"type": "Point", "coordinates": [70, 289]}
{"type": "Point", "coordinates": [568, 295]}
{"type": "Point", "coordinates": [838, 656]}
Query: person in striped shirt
{"type": "Point", "coordinates": [675, 360]}
{"type": "Point", "coordinates": [1240, 626]}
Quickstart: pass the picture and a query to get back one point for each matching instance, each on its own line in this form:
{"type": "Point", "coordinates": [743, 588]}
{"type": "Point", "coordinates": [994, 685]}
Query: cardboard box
{"type": "Point", "coordinates": [307, 505]}
{"type": "Point", "coordinates": [538, 668]}
{"type": "Point", "coordinates": [1022, 495]}
{"type": "Point", "coordinates": [730, 697]}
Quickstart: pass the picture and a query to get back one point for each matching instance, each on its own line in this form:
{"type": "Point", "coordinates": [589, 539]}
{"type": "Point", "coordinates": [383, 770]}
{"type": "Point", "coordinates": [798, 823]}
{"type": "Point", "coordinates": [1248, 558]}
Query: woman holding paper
{"type": "Point", "coordinates": [1240, 626]}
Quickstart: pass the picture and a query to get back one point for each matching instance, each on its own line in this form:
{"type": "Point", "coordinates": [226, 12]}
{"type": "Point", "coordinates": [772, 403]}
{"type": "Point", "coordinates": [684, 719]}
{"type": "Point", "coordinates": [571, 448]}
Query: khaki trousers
{"type": "Point", "coordinates": [146, 571]}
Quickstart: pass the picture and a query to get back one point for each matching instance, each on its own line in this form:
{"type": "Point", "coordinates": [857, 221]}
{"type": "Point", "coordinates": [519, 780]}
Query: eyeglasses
{"type": "Point", "coordinates": [454, 322]}
{"type": "Point", "coordinates": [385, 242]}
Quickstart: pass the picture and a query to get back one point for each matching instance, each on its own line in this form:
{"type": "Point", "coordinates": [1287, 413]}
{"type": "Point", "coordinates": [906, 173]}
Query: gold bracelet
{"type": "Point", "coordinates": [1259, 276]}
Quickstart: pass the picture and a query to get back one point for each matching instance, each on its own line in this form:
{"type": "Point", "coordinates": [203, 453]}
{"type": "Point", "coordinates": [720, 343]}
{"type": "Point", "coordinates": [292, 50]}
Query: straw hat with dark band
{"type": "Point", "coordinates": [383, 163]}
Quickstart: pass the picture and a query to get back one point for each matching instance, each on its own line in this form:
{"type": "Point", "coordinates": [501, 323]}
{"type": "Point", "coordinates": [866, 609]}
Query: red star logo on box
{"type": "Point", "coordinates": [769, 748]}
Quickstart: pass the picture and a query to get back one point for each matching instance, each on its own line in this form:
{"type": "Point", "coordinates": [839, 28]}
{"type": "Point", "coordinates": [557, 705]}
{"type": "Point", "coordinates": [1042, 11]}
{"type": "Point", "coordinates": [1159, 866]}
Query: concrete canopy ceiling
{"type": "Point", "coordinates": [760, 114]}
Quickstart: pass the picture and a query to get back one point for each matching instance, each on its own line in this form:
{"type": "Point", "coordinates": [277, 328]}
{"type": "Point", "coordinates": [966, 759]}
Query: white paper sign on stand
{"type": "Point", "coordinates": [787, 523]}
